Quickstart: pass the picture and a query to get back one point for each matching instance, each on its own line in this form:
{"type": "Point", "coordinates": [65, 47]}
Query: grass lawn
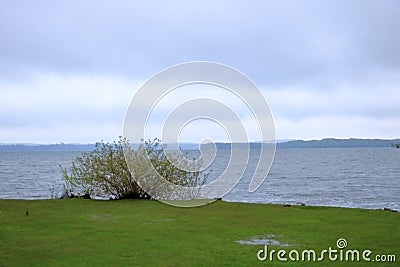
{"type": "Point", "coordinates": [77, 232]}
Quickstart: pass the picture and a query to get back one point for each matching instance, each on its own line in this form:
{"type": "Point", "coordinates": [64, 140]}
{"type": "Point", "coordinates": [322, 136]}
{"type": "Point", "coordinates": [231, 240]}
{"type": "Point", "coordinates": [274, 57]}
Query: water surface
{"type": "Point", "coordinates": [352, 177]}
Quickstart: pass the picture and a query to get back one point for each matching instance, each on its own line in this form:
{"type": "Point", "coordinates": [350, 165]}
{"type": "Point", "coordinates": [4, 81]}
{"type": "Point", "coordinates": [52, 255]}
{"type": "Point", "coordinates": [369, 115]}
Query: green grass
{"type": "Point", "coordinates": [76, 232]}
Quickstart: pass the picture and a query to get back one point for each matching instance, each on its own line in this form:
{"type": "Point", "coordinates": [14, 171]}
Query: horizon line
{"type": "Point", "coordinates": [196, 143]}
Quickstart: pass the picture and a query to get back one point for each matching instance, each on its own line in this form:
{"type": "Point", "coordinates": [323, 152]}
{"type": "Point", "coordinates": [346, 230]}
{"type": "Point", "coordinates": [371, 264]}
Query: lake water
{"type": "Point", "coordinates": [363, 178]}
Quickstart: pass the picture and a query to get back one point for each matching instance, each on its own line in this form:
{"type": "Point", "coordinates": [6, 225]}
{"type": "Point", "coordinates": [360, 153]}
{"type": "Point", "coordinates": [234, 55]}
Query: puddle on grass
{"type": "Point", "coordinates": [265, 240]}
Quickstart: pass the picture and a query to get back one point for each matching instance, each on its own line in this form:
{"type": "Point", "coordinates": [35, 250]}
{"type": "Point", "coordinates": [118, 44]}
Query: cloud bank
{"type": "Point", "coordinates": [328, 69]}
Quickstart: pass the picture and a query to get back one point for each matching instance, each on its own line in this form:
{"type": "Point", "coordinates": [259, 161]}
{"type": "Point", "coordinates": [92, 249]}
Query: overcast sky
{"type": "Point", "coordinates": [327, 68]}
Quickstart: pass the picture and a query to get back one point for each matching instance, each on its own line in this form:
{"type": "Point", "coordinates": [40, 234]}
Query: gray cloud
{"type": "Point", "coordinates": [273, 41]}
{"type": "Point", "coordinates": [313, 59]}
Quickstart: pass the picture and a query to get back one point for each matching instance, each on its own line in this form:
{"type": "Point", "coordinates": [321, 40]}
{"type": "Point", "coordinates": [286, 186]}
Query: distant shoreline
{"type": "Point", "coordinates": [340, 143]}
{"type": "Point", "coordinates": [324, 143]}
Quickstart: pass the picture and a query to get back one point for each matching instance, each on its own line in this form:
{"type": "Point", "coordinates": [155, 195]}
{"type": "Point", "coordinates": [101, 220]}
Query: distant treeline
{"type": "Point", "coordinates": [339, 143]}
{"type": "Point", "coordinates": [324, 143]}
